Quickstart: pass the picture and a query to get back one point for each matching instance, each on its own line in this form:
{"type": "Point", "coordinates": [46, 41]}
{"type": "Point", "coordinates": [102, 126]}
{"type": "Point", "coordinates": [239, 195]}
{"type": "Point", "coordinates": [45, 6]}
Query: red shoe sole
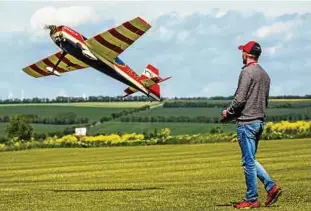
{"type": "Point", "coordinates": [275, 199]}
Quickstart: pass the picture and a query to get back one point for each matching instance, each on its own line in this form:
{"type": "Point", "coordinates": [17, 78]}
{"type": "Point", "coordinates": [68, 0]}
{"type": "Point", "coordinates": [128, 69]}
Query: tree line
{"type": "Point", "coordinates": [65, 120]}
{"type": "Point", "coordinates": [204, 104]}
{"type": "Point", "coordinates": [63, 99]}
{"type": "Point", "coordinates": [123, 113]}
{"type": "Point", "coordinates": [205, 119]}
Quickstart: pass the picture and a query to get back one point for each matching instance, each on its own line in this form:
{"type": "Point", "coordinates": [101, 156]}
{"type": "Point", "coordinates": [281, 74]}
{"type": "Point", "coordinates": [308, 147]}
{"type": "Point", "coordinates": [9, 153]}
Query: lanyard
{"type": "Point", "coordinates": [249, 64]}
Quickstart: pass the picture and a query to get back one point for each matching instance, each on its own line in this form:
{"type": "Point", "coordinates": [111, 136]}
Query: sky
{"type": "Point", "coordinates": [194, 42]}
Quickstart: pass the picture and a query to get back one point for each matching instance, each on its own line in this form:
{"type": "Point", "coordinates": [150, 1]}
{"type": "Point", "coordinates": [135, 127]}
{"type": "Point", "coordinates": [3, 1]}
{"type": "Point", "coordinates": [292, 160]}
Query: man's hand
{"type": "Point", "coordinates": [224, 114]}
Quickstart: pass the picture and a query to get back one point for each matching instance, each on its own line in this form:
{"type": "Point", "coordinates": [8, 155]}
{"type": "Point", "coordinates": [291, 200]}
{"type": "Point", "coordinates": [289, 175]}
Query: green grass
{"type": "Point", "coordinates": [177, 128]}
{"type": "Point", "coordinates": [213, 112]}
{"type": "Point", "coordinates": [287, 111]}
{"type": "Point", "coordinates": [191, 112]}
{"type": "Point", "coordinates": [290, 100]}
{"type": "Point", "coordinates": [172, 177]}
{"type": "Point", "coordinates": [93, 113]}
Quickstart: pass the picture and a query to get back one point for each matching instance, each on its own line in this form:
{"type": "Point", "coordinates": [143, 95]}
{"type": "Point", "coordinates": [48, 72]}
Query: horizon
{"type": "Point", "coordinates": [145, 98]}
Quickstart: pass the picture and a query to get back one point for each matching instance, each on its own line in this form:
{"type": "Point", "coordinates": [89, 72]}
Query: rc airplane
{"type": "Point", "coordinates": [100, 52]}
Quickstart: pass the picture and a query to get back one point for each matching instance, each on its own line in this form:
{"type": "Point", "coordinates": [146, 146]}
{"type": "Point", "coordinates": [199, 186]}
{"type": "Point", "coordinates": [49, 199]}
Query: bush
{"type": "Point", "coordinates": [20, 128]}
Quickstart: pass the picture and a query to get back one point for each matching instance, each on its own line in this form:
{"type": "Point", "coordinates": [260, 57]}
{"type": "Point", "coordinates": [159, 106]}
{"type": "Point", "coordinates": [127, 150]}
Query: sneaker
{"type": "Point", "coordinates": [273, 195]}
{"type": "Point", "coordinates": [247, 205]}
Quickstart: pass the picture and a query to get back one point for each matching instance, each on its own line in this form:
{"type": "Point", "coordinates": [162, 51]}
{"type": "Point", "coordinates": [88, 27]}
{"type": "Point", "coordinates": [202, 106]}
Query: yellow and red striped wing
{"type": "Point", "coordinates": [113, 42]}
{"type": "Point", "coordinates": [68, 64]}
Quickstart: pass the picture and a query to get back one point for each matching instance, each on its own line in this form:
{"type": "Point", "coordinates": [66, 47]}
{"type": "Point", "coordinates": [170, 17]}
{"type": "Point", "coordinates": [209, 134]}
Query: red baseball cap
{"type": "Point", "coordinates": [252, 47]}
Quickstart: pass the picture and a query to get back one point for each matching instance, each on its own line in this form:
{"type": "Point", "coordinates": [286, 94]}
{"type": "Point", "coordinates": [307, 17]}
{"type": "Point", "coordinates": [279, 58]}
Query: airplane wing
{"type": "Point", "coordinates": [147, 82]}
{"type": "Point", "coordinates": [129, 91]}
{"type": "Point", "coordinates": [113, 42]}
{"type": "Point", "coordinates": [68, 64]}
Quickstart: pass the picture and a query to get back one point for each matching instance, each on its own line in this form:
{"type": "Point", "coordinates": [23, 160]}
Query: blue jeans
{"type": "Point", "coordinates": [248, 136]}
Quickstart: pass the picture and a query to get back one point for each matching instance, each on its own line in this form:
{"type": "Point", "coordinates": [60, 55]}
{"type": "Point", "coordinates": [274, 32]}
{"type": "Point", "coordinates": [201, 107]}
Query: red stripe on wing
{"type": "Point", "coordinates": [49, 63]}
{"type": "Point", "coordinates": [121, 37]}
{"type": "Point", "coordinates": [107, 44]}
{"type": "Point", "coordinates": [133, 28]}
{"type": "Point", "coordinates": [38, 69]}
{"type": "Point", "coordinates": [143, 21]}
{"type": "Point", "coordinates": [68, 62]}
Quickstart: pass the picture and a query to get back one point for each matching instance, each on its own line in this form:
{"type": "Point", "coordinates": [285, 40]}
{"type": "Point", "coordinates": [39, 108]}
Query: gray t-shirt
{"type": "Point", "coordinates": [251, 97]}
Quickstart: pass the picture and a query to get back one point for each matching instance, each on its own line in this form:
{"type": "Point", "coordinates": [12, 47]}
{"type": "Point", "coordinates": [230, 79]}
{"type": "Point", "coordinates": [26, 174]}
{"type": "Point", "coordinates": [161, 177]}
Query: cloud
{"type": "Point", "coordinates": [221, 13]}
{"type": "Point", "coordinates": [62, 92]}
{"type": "Point", "coordinates": [9, 27]}
{"type": "Point", "coordinates": [215, 89]}
{"type": "Point", "coordinates": [71, 16]}
{"type": "Point", "coordinates": [272, 50]}
{"type": "Point", "coordinates": [165, 33]}
{"type": "Point", "coordinates": [182, 36]}
{"type": "Point", "coordinates": [276, 28]}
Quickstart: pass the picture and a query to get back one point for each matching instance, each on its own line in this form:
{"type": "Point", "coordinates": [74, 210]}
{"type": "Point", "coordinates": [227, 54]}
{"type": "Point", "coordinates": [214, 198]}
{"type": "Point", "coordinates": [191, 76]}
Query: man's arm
{"type": "Point", "coordinates": [267, 96]}
{"type": "Point", "coordinates": [240, 97]}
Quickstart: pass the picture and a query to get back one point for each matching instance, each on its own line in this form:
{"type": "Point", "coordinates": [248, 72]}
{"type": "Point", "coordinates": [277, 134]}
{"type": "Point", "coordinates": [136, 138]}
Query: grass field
{"type": "Point", "coordinates": [172, 177]}
{"type": "Point", "coordinates": [93, 113]}
{"type": "Point", "coordinates": [213, 112]}
{"type": "Point", "coordinates": [290, 100]}
{"type": "Point", "coordinates": [176, 128]}
{"type": "Point", "coordinates": [191, 112]}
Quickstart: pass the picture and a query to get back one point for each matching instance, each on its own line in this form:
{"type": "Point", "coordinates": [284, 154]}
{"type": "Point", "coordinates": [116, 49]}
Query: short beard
{"type": "Point", "coordinates": [244, 60]}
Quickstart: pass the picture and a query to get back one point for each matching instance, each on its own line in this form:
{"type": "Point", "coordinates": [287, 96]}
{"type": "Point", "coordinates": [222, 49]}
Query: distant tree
{"type": "Point", "coordinates": [19, 127]}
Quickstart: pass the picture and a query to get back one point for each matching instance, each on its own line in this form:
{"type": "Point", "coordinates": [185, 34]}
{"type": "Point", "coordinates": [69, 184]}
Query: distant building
{"type": "Point", "coordinates": [80, 131]}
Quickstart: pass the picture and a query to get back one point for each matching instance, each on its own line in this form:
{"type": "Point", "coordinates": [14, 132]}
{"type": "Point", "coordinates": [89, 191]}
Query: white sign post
{"type": "Point", "coordinates": [80, 131]}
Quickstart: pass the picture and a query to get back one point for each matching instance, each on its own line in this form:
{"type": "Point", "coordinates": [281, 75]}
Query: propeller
{"type": "Point", "coordinates": [52, 28]}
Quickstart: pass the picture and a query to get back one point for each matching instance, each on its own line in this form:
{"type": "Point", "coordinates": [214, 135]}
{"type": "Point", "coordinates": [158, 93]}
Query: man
{"type": "Point", "coordinates": [248, 107]}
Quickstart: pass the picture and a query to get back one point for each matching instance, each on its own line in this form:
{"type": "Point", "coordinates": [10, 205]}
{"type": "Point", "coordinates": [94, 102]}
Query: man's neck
{"type": "Point", "coordinates": [250, 61]}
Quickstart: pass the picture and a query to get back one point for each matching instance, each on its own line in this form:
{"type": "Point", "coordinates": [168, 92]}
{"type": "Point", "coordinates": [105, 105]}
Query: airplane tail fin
{"type": "Point", "coordinates": [150, 78]}
{"type": "Point", "coordinates": [155, 89]}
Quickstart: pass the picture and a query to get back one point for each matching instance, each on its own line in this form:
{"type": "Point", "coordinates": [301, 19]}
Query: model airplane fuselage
{"type": "Point", "coordinates": [100, 52]}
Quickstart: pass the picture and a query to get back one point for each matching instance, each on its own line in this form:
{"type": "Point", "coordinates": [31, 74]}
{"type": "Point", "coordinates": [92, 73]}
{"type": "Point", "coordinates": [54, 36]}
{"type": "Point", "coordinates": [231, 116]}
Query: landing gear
{"type": "Point", "coordinates": [53, 70]}
{"type": "Point", "coordinates": [86, 52]}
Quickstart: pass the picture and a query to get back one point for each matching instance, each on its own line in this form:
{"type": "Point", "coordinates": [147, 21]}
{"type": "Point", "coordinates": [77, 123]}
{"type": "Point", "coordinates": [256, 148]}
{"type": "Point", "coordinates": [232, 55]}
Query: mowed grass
{"type": "Point", "coordinates": [176, 128]}
{"type": "Point", "coordinates": [191, 112]}
{"type": "Point", "coordinates": [93, 113]}
{"type": "Point", "coordinates": [290, 100]}
{"type": "Point", "coordinates": [172, 177]}
{"type": "Point", "coordinates": [288, 111]}
{"type": "Point", "coordinates": [213, 112]}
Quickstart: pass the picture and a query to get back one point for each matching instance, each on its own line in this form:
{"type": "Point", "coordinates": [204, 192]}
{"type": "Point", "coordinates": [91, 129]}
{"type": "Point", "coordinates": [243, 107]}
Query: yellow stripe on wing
{"type": "Point", "coordinates": [140, 24]}
{"type": "Point", "coordinates": [54, 60]}
{"type": "Point", "coordinates": [127, 33]}
{"type": "Point", "coordinates": [31, 72]}
{"type": "Point", "coordinates": [42, 66]}
{"type": "Point", "coordinates": [76, 61]}
{"type": "Point", "coordinates": [102, 50]}
{"type": "Point", "coordinates": [115, 41]}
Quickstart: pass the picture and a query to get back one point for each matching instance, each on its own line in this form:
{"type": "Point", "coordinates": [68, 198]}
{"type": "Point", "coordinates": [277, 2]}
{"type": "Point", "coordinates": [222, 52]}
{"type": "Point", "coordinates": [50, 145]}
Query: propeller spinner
{"type": "Point", "coordinates": [52, 28]}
